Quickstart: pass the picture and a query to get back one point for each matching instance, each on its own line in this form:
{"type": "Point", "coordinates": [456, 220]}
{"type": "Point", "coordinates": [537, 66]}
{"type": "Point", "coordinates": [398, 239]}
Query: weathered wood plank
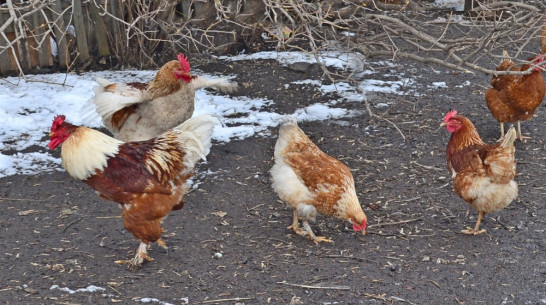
{"type": "Point", "coordinates": [5, 65]}
{"type": "Point", "coordinates": [115, 10]}
{"type": "Point", "coordinates": [100, 31]}
{"type": "Point", "coordinates": [81, 35]}
{"type": "Point", "coordinates": [60, 36]}
{"type": "Point", "coordinates": [44, 51]}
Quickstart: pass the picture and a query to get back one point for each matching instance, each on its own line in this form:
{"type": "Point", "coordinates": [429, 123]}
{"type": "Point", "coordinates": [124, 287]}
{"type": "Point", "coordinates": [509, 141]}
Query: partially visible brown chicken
{"type": "Point", "coordinates": [137, 111]}
{"type": "Point", "coordinates": [483, 174]}
{"type": "Point", "coordinates": [311, 181]}
{"type": "Point", "coordinates": [148, 178]}
{"type": "Point", "coordinates": [515, 98]}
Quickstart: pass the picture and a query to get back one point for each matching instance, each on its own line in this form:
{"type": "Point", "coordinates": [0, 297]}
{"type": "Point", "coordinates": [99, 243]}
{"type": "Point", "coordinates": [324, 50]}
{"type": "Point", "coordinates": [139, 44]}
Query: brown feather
{"type": "Point", "coordinates": [164, 82]}
{"type": "Point", "coordinates": [316, 169]}
{"type": "Point", "coordinates": [515, 97]}
{"type": "Point", "coordinates": [119, 117]}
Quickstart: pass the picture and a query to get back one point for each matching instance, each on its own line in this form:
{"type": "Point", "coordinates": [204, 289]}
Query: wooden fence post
{"type": "Point", "coordinates": [60, 36]}
{"type": "Point", "coordinates": [100, 30]}
{"type": "Point", "coordinates": [44, 53]}
{"type": "Point", "coordinates": [81, 36]}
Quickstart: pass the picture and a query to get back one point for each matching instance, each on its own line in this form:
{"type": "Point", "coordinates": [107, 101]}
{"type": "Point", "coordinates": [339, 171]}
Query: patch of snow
{"type": "Point", "coordinates": [90, 288]}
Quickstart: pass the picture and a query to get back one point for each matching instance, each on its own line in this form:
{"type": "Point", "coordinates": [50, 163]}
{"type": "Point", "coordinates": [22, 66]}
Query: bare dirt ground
{"type": "Point", "coordinates": [56, 231]}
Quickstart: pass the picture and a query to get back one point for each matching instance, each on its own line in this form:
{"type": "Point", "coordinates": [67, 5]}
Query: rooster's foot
{"type": "Point", "coordinates": [472, 231]}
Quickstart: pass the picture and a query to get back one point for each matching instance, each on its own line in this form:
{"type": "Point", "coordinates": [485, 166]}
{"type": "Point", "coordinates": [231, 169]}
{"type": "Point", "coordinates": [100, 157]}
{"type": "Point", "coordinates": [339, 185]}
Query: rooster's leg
{"type": "Point", "coordinates": [312, 235]}
{"type": "Point", "coordinates": [520, 135]}
{"type": "Point", "coordinates": [476, 230]}
{"type": "Point", "coordinates": [141, 255]}
{"type": "Point", "coordinates": [295, 226]}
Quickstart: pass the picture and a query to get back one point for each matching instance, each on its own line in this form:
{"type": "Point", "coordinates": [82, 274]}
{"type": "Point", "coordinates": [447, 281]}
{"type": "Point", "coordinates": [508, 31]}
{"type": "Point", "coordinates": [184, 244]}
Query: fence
{"type": "Point", "coordinates": [37, 34]}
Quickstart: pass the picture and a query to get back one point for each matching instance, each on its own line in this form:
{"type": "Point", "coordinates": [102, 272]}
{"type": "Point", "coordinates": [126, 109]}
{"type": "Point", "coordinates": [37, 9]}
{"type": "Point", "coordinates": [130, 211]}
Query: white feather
{"type": "Point", "coordinates": [107, 103]}
{"type": "Point", "coordinates": [221, 84]}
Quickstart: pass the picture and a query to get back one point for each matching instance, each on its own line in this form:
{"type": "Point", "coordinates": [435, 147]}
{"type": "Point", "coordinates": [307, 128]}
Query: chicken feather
{"type": "Point", "coordinates": [309, 180]}
{"type": "Point", "coordinates": [483, 174]}
{"type": "Point", "coordinates": [147, 178]}
{"type": "Point", "coordinates": [138, 111]}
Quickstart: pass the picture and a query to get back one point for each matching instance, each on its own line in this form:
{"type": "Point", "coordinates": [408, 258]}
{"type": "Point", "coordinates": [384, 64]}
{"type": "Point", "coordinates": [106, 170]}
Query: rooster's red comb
{"type": "Point", "coordinates": [449, 115]}
{"type": "Point", "coordinates": [184, 62]}
{"type": "Point", "coordinates": [57, 121]}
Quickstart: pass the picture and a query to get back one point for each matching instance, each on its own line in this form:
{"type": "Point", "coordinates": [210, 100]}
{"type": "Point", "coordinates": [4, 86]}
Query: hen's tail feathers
{"type": "Point", "coordinates": [289, 120]}
{"type": "Point", "coordinates": [306, 212]}
{"type": "Point", "coordinates": [195, 135]}
{"type": "Point", "coordinates": [220, 84]}
{"type": "Point", "coordinates": [505, 55]}
{"type": "Point", "coordinates": [509, 138]}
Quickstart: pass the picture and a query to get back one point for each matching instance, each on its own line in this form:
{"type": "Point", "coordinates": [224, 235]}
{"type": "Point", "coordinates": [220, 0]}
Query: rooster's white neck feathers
{"type": "Point", "coordinates": [82, 158]}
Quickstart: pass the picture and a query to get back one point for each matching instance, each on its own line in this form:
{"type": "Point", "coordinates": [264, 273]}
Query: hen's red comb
{"type": "Point", "coordinates": [184, 62]}
{"type": "Point", "coordinates": [449, 115]}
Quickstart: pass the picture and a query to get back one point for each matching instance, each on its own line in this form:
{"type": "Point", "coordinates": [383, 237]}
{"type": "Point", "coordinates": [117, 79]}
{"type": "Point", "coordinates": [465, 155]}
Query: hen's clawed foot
{"type": "Point", "coordinates": [522, 138]}
{"type": "Point", "coordinates": [139, 258]}
{"type": "Point", "coordinates": [162, 244]}
{"type": "Point", "coordinates": [318, 239]}
{"type": "Point", "coordinates": [298, 230]}
{"type": "Point", "coordinates": [472, 231]}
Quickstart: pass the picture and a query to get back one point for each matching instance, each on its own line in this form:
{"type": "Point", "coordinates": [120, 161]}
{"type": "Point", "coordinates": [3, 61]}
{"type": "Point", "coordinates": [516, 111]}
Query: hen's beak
{"type": "Point", "coordinates": [364, 232]}
{"type": "Point", "coordinates": [51, 134]}
{"type": "Point", "coordinates": [441, 125]}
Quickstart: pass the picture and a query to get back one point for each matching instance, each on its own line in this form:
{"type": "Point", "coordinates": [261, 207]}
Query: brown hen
{"type": "Point", "coordinates": [483, 174]}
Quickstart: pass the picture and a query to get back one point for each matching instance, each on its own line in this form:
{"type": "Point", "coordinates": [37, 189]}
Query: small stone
{"type": "Point", "coordinates": [217, 255]}
{"type": "Point", "coordinates": [426, 258]}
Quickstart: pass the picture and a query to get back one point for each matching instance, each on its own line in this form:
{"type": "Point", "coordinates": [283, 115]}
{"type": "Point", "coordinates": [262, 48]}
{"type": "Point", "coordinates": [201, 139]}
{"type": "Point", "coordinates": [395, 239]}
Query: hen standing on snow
{"type": "Point", "coordinates": [137, 111]}
{"type": "Point", "coordinates": [483, 174]}
{"type": "Point", "coordinates": [148, 178]}
{"type": "Point", "coordinates": [309, 180]}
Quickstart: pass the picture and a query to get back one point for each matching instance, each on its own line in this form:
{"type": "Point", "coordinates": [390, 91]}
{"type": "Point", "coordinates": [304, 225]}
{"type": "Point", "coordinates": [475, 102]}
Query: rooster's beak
{"type": "Point", "coordinates": [51, 134]}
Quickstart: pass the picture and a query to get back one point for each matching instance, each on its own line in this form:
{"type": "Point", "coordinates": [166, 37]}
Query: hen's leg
{"type": "Point", "coordinates": [141, 255]}
{"type": "Point", "coordinates": [295, 226]}
{"type": "Point", "coordinates": [502, 132]}
{"type": "Point", "coordinates": [162, 243]}
{"type": "Point", "coordinates": [476, 230]}
{"type": "Point", "coordinates": [312, 235]}
{"type": "Point", "coordinates": [520, 135]}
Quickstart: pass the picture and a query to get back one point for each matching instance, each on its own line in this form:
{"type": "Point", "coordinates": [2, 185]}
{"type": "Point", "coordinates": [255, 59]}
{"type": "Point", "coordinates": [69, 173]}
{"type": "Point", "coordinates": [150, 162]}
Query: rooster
{"type": "Point", "coordinates": [137, 111]}
{"type": "Point", "coordinates": [148, 178]}
{"type": "Point", "coordinates": [483, 174]}
{"type": "Point", "coordinates": [515, 98]}
{"type": "Point", "coordinates": [311, 182]}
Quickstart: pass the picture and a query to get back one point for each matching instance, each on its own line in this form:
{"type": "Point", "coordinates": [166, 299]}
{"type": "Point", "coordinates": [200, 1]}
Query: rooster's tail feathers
{"type": "Point", "coordinates": [509, 138]}
{"type": "Point", "coordinates": [195, 135]}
